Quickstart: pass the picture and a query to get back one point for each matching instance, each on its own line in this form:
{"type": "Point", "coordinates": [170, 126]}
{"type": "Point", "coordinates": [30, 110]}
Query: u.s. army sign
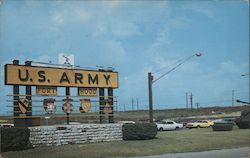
{"type": "Point", "coordinates": [47, 76]}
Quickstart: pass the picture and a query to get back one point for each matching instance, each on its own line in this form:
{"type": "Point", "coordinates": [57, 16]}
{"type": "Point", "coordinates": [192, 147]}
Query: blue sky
{"type": "Point", "coordinates": [135, 38]}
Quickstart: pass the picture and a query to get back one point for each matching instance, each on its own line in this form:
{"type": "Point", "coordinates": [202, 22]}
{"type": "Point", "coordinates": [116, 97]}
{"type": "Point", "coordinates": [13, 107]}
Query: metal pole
{"type": "Point", "coordinates": [28, 93]}
{"type": "Point", "coordinates": [197, 105]}
{"type": "Point", "coordinates": [111, 103]}
{"type": "Point", "coordinates": [132, 104]}
{"type": "Point", "coordinates": [67, 94]}
{"type": "Point", "coordinates": [186, 100]}
{"type": "Point", "coordinates": [137, 102]}
{"type": "Point", "coordinates": [16, 97]}
{"type": "Point", "coordinates": [150, 98]}
{"type": "Point", "coordinates": [232, 97]}
{"type": "Point", "coordinates": [101, 106]}
{"type": "Point", "coordinates": [191, 101]}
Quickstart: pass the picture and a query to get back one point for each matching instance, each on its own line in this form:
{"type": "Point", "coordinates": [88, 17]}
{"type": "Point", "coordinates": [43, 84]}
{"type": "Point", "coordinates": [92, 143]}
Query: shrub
{"type": "Point", "coordinates": [243, 124]}
{"type": "Point", "coordinates": [244, 121]}
{"type": "Point", "coordinates": [139, 131]}
{"type": "Point", "coordinates": [15, 138]}
{"type": "Point", "coordinates": [222, 127]}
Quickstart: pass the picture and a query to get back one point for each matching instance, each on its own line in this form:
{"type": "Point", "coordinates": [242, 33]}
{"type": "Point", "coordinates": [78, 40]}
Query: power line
{"type": "Point", "coordinates": [163, 68]}
{"type": "Point", "coordinates": [186, 59]}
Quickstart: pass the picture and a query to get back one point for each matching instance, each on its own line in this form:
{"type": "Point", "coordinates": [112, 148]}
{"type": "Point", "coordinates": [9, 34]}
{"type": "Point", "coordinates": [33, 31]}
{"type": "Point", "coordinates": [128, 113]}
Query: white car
{"type": "Point", "coordinates": [168, 125]}
{"type": "Point", "coordinates": [126, 122]}
{"type": "Point", "coordinates": [6, 125]}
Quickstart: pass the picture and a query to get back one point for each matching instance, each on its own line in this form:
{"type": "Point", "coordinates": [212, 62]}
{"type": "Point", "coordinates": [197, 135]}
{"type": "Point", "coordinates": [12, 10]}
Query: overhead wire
{"type": "Point", "coordinates": [182, 62]}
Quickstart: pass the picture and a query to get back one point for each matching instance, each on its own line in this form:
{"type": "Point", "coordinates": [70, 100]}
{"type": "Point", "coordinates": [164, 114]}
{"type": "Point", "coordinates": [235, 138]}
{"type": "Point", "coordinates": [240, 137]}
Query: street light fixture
{"type": "Point", "coordinates": [239, 101]}
{"type": "Point", "coordinates": [245, 74]}
{"type": "Point", "coordinates": [151, 80]}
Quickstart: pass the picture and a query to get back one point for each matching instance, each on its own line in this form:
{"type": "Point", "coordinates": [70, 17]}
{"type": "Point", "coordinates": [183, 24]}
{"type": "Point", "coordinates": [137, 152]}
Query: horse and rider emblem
{"type": "Point", "coordinates": [23, 105]}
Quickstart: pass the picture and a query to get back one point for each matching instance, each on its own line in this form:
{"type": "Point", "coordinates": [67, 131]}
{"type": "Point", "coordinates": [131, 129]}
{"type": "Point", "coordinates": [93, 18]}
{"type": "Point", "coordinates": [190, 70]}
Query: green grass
{"type": "Point", "coordinates": [166, 142]}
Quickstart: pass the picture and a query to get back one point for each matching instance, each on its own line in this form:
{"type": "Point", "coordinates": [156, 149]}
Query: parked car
{"type": "Point", "coordinates": [73, 123]}
{"type": "Point", "coordinates": [200, 124]}
{"type": "Point", "coordinates": [126, 122]}
{"type": "Point", "coordinates": [225, 120]}
{"type": "Point", "coordinates": [6, 125]}
{"type": "Point", "coordinates": [168, 125]}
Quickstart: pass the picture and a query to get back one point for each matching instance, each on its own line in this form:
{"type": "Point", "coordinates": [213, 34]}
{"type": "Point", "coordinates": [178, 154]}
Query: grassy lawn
{"type": "Point", "coordinates": [166, 142]}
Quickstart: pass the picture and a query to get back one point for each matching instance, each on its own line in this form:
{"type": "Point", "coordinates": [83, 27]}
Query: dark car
{"type": "Point", "coordinates": [225, 120]}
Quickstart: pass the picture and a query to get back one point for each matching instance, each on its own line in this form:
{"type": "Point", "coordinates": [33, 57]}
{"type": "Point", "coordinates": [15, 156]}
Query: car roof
{"type": "Point", "coordinates": [167, 120]}
{"type": "Point", "coordinates": [7, 124]}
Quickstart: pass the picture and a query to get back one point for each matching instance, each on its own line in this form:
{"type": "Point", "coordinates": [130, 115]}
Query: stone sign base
{"type": "Point", "coordinates": [74, 134]}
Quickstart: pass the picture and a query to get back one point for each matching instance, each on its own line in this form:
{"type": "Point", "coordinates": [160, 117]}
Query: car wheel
{"type": "Point", "coordinates": [198, 126]}
{"type": "Point", "coordinates": [161, 129]}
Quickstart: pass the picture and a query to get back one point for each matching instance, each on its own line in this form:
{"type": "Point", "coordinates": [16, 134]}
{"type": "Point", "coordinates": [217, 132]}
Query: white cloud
{"type": "Point", "coordinates": [200, 7]}
{"type": "Point", "coordinates": [126, 29]}
{"type": "Point", "coordinates": [160, 42]}
{"type": "Point", "coordinates": [180, 22]}
{"type": "Point", "coordinates": [115, 52]}
{"type": "Point", "coordinates": [161, 62]}
{"type": "Point", "coordinates": [57, 19]}
{"type": "Point", "coordinates": [229, 67]}
{"type": "Point", "coordinates": [114, 3]}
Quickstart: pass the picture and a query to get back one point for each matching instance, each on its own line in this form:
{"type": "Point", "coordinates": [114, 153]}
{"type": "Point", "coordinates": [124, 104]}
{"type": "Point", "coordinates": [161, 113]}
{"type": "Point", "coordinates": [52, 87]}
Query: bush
{"type": "Point", "coordinates": [15, 139]}
{"type": "Point", "coordinates": [243, 124]}
{"type": "Point", "coordinates": [139, 131]}
{"type": "Point", "coordinates": [222, 127]}
{"type": "Point", "coordinates": [244, 121]}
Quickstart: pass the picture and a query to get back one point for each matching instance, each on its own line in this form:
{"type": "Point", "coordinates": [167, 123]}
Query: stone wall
{"type": "Point", "coordinates": [74, 134]}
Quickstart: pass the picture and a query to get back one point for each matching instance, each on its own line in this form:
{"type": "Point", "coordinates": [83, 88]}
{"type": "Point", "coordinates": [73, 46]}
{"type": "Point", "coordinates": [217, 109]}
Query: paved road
{"type": "Point", "coordinates": [225, 153]}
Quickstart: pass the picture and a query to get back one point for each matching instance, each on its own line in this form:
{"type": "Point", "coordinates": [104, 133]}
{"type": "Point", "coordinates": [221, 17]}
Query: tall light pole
{"type": "Point", "coordinates": [232, 97]}
{"type": "Point", "coordinates": [151, 81]}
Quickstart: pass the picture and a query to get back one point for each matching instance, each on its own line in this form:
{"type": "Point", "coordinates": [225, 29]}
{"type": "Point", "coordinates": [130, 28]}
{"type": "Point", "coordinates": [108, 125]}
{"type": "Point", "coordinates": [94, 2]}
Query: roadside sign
{"type": "Point", "coordinates": [46, 91]}
{"type": "Point", "coordinates": [85, 105]}
{"type": "Point", "coordinates": [58, 77]}
{"type": "Point", "coordinates": [87, 92]}
{"type": "Point", "coordinates": [23, 105]}
{"type": "Point", "coordinates": [49, 105]}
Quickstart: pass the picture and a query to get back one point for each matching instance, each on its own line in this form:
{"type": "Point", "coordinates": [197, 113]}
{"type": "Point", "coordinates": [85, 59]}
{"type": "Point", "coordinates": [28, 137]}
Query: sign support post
{"type": "Point", "coordinates": [102, 104]}
{"type": "Point", "coordinates": [15, 98]}
{"type": "Point", "coordinates": [111, 103]}
{"type": "Point", "coordinates": [67, 96]}
{"type": "Point", "coordinates": [28, 96]}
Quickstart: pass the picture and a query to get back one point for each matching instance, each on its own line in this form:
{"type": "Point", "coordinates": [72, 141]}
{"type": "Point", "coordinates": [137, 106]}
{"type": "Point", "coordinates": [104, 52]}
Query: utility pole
{"type": "Point", "coordinates": [137, 103]}
{"type": "Point", "coordinates": [197, 105]}
{"type": "Point", "coordinates": [232, 97]}
{"type": "Point", "coordinates": [191, 101]}
{"type": "Point", "coordinates": [151, 80]}
{"type": "Point", "coordinates": [186, 100]}
{"type": "Point", "coordinates": [150, 98]}
{"type": "Point", "coordinates": [132, 104]}
{"type": "Point", "coordinates": [124, 107]}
